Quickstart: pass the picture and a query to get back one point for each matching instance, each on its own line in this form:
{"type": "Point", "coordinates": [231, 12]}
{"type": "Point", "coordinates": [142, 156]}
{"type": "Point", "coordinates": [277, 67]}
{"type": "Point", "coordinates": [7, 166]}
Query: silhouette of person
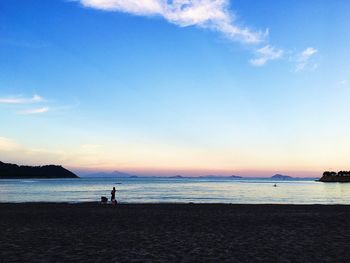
{"type": "Point", "coordinates": [113, 194]}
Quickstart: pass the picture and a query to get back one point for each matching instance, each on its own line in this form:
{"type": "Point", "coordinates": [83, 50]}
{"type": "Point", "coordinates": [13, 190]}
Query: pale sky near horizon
{"type": "Point", "coordinates": [189, 87]}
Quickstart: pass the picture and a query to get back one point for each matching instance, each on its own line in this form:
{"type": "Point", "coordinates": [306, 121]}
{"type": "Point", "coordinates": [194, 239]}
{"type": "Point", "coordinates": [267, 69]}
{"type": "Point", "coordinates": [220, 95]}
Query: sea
{"type": "Point", "coordinates": [175, 190]}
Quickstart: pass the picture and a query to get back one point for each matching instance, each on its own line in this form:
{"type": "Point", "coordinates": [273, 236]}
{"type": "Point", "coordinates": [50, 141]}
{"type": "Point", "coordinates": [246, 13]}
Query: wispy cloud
{"type": "Point", "coordinates": [304, 59]}
{"type": "Point", "coordinates": [24, 102]}
{"type": "Point", "coordinates": [21, 100]}
{"type": "Point", "coordinates": [213, 15]}
{"type": "Point", "coordinates": [266, 54]}
{"type": "Point", "coordinates": [34, 111]}
{"type": "Point", "coordinates": [209, 14]}
{"type": "Point", "coordinates": [33, 105]}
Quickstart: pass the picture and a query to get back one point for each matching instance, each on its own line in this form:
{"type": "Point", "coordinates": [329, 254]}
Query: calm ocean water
{"type": "Point", "coordinates": [154, 190]}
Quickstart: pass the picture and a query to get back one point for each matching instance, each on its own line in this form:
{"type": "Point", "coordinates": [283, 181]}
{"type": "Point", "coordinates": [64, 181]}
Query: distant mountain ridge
{"type": "Point", "coordinates": [118, 174]}
{"type": "Point", "coordinates": [207, 176]}
{"type": "Point", "coordinates": [14, 171]}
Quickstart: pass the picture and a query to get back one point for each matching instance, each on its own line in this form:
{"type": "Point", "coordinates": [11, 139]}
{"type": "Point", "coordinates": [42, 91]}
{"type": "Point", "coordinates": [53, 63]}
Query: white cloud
{"type": "Point", "coordinates": [34, 111]}
{"type": "Point", "coordinates": [308, 52]}
{"type": "Point", "coordinates": [210, 14]}
{"type": "Point", "coordinates": [266, 54]}
{"type": "Point", "coordinates": [21, 100]}
{"type": "Point", "coordinates": [303, 59]}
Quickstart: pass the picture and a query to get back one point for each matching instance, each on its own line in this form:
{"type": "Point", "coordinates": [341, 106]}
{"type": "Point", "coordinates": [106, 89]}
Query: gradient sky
{"type": "Point", "coordinates": [176, 87]}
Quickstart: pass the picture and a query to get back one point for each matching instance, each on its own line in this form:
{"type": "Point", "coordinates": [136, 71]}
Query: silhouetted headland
{"type": "Point", "coordinates": [14, 171]}
{"type": "Point", "coordinates": [333, 177]}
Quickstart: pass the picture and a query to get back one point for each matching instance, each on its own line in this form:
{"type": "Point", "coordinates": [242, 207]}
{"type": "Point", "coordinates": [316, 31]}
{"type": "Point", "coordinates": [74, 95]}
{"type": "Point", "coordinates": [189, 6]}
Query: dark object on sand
{"type": "Point", "coordinates": [104, 200]}
{"type": "Point", "coordinates": [14, 171]}
{"type": "Point", "coordinates": [333, 177]}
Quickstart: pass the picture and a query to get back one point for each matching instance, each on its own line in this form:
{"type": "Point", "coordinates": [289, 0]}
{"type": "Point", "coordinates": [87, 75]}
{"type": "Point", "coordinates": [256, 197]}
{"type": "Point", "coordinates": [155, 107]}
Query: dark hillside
{"type": "Point", "coordinates": [14, 171]}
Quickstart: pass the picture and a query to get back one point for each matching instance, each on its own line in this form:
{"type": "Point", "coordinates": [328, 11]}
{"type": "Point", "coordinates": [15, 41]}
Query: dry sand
{"type": "Point", "coordinates": [174, 233]}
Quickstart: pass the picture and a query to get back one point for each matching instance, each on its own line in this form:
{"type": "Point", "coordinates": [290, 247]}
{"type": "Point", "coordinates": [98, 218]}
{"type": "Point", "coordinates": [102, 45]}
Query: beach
{"type": "Point", "coordinates": [91, 232]}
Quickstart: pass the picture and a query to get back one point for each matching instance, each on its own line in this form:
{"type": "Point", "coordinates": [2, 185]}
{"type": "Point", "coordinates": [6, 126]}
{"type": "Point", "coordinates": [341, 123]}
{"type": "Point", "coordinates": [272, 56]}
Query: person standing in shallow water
{"type": "Point", "coordinates": [113, 194]}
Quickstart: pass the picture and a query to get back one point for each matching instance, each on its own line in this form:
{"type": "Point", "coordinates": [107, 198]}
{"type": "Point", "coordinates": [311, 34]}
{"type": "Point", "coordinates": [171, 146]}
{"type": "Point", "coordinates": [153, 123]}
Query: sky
{"type": "Point", "coordinates": [190, 87]}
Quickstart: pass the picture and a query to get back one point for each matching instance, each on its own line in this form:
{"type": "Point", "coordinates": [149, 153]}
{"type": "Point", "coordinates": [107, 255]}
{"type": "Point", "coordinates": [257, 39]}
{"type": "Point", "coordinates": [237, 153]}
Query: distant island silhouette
{"type": "Point", "coordinates": [14, 171]}
{"type": "Point", "coordinates": [218, 176]}
{"type": "Point", "coordinates": [119, 174]}
{"type": "Point", "coordinates": [114, 174]}
{"type": "Point", "coordinates": [333, 177]}
{"type": "Point", "coordinates": [206, 177]}
{"type": "Point", "coordinates": [281, 177]}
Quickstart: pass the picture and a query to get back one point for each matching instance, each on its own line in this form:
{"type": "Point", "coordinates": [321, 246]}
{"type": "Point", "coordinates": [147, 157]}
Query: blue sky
{"type": "Point", "coordinates": [191, 87]}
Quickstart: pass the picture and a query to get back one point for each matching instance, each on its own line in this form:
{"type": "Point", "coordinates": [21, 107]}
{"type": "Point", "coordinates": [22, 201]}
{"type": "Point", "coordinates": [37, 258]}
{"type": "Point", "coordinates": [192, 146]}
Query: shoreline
{"type": "Point", "coordinates": [167, 204]}
{"type": "Point", "coordinates": [77, 203]}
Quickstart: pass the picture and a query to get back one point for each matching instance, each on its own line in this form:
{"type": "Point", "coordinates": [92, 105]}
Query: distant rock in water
{"type": "Point", "coordinates": [281, 177]}
{"type": "Point", "coordinates": [333, 177]}
{"type": "Point", "coordinates": [14, 171]}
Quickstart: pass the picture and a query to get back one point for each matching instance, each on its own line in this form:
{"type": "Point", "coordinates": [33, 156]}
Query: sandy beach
{"type": "Point", "coordinates": [92, 232]}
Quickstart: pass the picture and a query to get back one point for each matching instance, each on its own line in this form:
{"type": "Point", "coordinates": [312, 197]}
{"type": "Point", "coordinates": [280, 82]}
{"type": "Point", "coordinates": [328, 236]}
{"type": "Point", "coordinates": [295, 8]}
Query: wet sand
{"type": "Point", "coordinates": [174, 233]}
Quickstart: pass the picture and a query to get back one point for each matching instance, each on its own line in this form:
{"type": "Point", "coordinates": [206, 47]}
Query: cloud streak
{"type": "Point", "coordinates": [303, 59]}
{"type": "Point", "coordinates": [34, 111]}
{"type": "Point", "coordinates": [24, 102]}
{"type": "Point", "coordinates": [208, 14]}
{"type": "Point", "coordinates": [266, 54]}
{"type": "Point", "coordinates": [25, 105]}
{"type": "Point", "coordinates": [21, 100]}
